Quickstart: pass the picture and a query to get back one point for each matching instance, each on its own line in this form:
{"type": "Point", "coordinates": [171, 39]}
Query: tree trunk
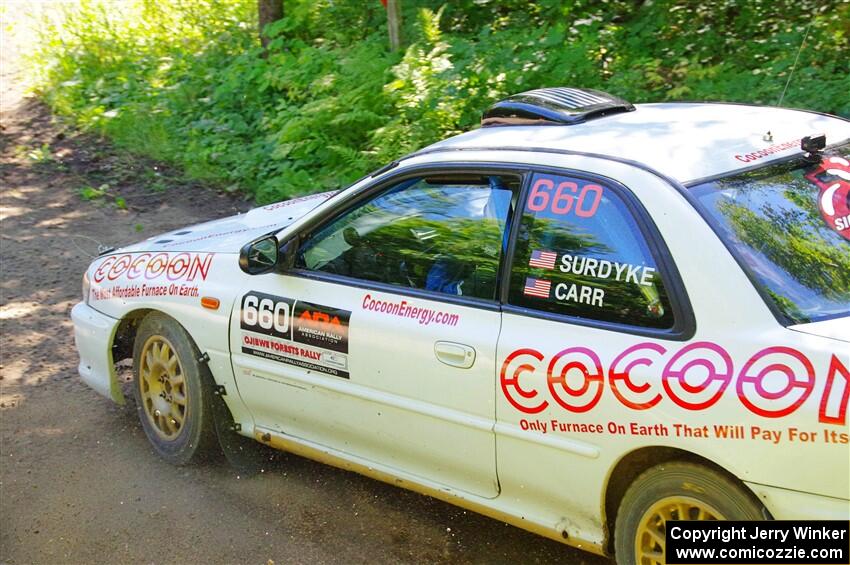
{"type": "Point", "coordinates": [394, 23]}
{"type": "Point", "coordinates": [269, 11]}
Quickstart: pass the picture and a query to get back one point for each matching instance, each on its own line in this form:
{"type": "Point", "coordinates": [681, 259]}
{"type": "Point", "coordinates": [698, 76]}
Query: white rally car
{"type": "Point", "coordinates": [585, 318]}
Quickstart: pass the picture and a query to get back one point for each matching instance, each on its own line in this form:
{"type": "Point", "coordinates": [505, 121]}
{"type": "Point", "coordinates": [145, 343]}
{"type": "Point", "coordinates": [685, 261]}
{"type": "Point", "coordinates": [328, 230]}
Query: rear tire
{"type": "Point", "coordinates": [173, 391]}
{"type": "Point", "coordinates": [675, 491]}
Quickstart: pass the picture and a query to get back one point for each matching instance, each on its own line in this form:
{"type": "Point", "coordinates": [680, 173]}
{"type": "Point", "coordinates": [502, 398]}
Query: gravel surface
{"type": "Point", "coordinates": [78, 481]}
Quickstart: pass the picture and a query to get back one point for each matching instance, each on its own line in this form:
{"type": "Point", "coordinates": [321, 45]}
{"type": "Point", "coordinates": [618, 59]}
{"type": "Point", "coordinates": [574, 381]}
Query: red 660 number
{"type": "Point", "coordinates": [565, 198]}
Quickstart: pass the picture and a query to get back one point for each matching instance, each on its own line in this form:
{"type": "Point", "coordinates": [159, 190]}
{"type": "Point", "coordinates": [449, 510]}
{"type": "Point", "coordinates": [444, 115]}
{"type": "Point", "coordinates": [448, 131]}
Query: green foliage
{"type": "Point", "coordinates": [101, 193]}
{"type": "Point", "coordinates": [40, 155]}
{"type": "Point", "coordinates": [186, 80]}
{"type": "Point", "coordinates": [90, 193]}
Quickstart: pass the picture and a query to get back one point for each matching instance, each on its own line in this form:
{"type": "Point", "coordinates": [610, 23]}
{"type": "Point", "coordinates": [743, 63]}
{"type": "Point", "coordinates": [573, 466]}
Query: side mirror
{"type": "Point", "coordinates": [259, 256]}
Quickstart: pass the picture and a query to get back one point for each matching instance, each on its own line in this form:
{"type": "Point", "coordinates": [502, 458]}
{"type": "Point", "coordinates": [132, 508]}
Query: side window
{"type": "Point", "coordinates": [443, 234]}
{"type": "Point", "coordinates": [580, 253]}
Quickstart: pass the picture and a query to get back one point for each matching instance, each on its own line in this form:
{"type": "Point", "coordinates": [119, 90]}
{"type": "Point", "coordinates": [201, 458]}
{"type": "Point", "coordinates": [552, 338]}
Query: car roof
{"type": "Point", "coordinates": [688, 142]}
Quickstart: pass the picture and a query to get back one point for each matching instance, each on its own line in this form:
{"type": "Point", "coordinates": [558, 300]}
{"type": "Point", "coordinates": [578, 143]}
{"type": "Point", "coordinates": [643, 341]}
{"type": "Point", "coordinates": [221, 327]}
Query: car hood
{"type": "Point", "coordinates": [228, 235]}
{"type": "Point", "coordinates": [837, 328]}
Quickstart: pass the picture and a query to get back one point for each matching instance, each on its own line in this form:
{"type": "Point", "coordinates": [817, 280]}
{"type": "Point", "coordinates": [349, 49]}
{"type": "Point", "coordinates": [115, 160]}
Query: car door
{"type": "Point", "coordinates": [587, 284]}
{"type": "Point", "coordinates": [381, 342]}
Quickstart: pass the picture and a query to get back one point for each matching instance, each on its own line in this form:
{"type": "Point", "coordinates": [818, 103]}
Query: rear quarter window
{"type": "Point", "coordinates": [581, 253]}
{"type": "Point", "coordinates": [789, 226]}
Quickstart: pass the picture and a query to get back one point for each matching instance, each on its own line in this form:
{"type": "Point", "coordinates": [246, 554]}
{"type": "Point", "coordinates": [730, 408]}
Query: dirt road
{"type": "Point", "coordinates": [78, 482]}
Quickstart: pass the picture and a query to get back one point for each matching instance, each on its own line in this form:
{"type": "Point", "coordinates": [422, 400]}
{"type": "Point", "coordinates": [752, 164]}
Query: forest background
{"type": "Point", "coordinates": [324, 99]}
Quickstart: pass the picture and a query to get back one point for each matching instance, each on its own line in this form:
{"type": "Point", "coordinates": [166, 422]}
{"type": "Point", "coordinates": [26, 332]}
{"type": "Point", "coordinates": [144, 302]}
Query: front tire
{"type": "Point", "coordinates": [675, 491]}
{"type": "Point", "coordinates": [173, 391]}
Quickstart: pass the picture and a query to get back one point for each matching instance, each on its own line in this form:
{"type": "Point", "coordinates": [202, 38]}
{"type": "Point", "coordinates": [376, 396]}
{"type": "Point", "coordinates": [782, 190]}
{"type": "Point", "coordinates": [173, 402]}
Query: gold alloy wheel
{"type": "Point", "coordinates": [163, 387]}
{"type": "Point", "coordinates": [650, 536]}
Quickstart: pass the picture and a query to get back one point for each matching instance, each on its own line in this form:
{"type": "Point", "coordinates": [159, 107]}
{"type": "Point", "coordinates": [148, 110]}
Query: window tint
{"type": "Point", "coordinates": [440, 234]}
{"type": "Point", "coordinates": [580, 253]}
{"type": "Point", "coordinates": [790, 225]}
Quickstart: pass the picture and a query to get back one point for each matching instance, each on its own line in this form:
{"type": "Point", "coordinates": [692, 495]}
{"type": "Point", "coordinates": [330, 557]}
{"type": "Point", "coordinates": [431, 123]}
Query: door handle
{"type": "Point", "coordinates": [454, 354]}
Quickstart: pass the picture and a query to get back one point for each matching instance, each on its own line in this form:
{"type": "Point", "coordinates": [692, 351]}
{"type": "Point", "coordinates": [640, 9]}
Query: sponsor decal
{"type": "Point", "coordinates": [604, 269]}
{"type": "Point", "coordinates": [601, 269]}
{"type": "Point", "coordinates": [292, 202]}
{"type": "Point", "coordinates": [404, 309]}
{"type": "Point", "coordinates": [773, 383]}
{"type": "Point", "coordinates": [267, 314]}
{"type": "Point", "coordinates": [561, 197]}
{"type": "Point", "coordinates": [771, 435]}
{"type": "Point", "coordinates": [572, 199]}
{"type": "Point", "coordinates": [543, 259]}
{"type": "Point", "coordinates": [832, 176]}
{"type": "Point", "coordinates": [149, 275]}
{"type": "Point", "coordinates": [129, 291]}
{"type": "Point", "coordinates": [321, 326]}
{"type": "Point", "coordinates": [584, 266]}
{"type": "Point", "coordinates": [537, 287]}
{"type": "Point", "coordinates": [302, 334]}
{"type": "Point", "coordinates": [768, 151]}
{"type": "Point", "coordinates": [154, 266]}
{"type": "Point", "coordinates": [571, 292]}
{"type": "Point", "coordinates": [219, 234]}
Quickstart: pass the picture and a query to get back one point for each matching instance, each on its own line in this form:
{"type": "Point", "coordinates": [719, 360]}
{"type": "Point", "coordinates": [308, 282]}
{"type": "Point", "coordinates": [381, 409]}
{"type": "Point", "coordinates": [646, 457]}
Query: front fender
{"type": "Point", "coordinates": [172, 283]}
{"type": "Point", "coordinates": [94, 334]}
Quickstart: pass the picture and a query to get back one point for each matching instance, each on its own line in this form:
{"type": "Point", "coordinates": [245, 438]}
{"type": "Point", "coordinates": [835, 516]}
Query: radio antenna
{"type": "Point", "coordinates": [794, 66]}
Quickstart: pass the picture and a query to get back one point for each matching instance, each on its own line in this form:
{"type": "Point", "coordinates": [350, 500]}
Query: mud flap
{"type": "Point", "coordinates": [244, 454]}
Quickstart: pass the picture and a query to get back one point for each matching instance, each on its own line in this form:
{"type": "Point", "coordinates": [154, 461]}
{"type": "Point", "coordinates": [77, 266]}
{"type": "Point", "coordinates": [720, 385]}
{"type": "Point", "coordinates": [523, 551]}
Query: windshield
{"type": "Point", "coordinates": [790, 226]}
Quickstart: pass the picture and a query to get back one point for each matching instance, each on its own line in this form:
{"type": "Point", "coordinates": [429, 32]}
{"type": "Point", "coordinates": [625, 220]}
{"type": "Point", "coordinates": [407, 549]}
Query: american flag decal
{"type": "Point", "coordinates": [537, 287]}
{"type": "Point", "coordinates": [543, 259]}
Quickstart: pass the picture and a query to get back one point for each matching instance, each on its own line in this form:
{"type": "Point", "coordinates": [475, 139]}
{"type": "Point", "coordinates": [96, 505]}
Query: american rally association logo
{"type": "Point", "coordinates": [832, 176]}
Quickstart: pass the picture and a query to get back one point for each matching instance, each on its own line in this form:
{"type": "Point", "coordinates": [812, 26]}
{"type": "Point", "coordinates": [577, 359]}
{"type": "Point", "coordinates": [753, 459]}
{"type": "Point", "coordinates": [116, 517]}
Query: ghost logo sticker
{"type": "Point", "coordinates": [832, 176]}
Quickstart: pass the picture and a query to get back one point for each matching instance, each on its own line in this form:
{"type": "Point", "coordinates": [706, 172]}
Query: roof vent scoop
{"type": "Point", "coordinates": [554, 106]}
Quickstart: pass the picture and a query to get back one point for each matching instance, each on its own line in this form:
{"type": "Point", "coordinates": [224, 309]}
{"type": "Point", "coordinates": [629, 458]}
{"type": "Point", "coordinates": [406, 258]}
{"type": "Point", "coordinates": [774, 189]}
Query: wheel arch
{"type": "Point", "coordinates": [125, 333]}
{"type": "Point", "coordinates": [121, 347]}
{"type": "Point", "coordinates": [631, 465]}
